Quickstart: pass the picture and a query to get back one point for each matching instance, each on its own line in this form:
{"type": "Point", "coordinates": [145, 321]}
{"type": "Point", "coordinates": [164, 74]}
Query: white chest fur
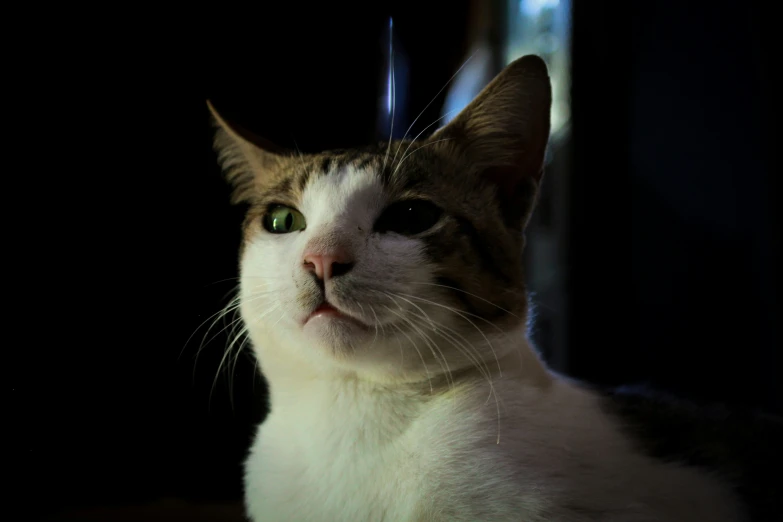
{"type": "Point", "coordinates": [333, 452]}
{"type": "Point", "coordinates": [340, 453]}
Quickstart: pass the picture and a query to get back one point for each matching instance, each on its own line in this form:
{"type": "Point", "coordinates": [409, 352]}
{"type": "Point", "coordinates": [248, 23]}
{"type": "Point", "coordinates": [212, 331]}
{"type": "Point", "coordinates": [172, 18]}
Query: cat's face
{"type": "Point", "coordinates": [400, 258]}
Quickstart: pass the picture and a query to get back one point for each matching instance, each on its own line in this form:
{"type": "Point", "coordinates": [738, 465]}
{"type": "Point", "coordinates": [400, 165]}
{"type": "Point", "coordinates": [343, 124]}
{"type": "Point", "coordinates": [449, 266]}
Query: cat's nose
{"type": "Point", "coordinates": [328, 265]}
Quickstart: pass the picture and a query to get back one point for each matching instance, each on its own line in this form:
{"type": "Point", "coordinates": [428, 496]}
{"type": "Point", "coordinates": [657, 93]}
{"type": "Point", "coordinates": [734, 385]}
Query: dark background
{"type": "Point", "coordinates": [123, 241]}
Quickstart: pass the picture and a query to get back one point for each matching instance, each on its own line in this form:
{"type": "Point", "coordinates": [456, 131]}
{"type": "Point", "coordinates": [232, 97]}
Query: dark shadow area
{"type": "Point", "coordinates": [674, 199]}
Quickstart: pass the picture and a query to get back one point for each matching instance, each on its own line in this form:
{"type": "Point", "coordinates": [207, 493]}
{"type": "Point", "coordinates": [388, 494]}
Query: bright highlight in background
{"type": "Point", "coordinates": [390, 79]}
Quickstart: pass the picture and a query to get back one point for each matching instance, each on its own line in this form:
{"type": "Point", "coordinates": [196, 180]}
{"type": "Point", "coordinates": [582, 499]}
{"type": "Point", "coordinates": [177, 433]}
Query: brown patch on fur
{"type": "Point", "coordinates": [477, 249]}
{"type": "Point", "coordinates": [489, 161]}
{"type": "Point", "coordinates": [263, 174]}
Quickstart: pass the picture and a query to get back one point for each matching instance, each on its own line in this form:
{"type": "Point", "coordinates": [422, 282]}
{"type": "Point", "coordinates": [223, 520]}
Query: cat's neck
{"type": "Point", "coordinates": [294, 380]}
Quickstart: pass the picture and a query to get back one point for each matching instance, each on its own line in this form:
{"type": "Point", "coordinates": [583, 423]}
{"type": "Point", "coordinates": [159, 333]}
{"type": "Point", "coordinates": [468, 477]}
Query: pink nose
{"type": "Point", "coordinates": [326, 266]}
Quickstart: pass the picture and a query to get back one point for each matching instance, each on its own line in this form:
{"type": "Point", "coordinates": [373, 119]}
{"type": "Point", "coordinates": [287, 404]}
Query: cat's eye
{"type": "Point", "coordinates": [408, 217]}
{"type": "Point", "coordinates": [280, 219]}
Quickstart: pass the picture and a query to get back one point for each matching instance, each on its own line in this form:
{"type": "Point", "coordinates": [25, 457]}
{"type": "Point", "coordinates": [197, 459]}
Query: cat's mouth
{"type": "Point", "coordinates": [326, 311]}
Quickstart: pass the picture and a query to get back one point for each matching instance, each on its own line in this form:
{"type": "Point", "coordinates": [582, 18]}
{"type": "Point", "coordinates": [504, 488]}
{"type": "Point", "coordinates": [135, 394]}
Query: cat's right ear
{"type": "Point", "coordinates": [502, 134]}
{"type": "Point", "coordinates": [246, 159]}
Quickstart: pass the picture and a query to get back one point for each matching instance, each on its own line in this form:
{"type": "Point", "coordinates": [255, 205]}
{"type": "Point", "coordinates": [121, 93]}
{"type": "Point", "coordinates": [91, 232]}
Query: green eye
{"type": "Point", "coordinates": [280, 219]}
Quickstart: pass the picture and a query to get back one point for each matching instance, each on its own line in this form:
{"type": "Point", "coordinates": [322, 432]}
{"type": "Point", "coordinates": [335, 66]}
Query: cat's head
{"type": "Point", "coordinates": [399, 259]}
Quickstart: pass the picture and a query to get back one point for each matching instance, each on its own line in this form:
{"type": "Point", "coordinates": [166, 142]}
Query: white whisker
{"type": "Point", "coordinates": [429, 379]}
{"type": "Point", "coordinates": [468, 293]}
{"type": "Point", "coordinates": [374, 324]}
{"type": "Point", "coordinates": [222, 310]}
{"type": "Point", "coordinates": [463, 315]}
{"type": "Point", "coordinates": [476, 360]}
{"type": "Point", "coordinates": [432, 346]}
{"type": "Point", "coordinates": [222, 360]}
{"type": "Point", "coordinates": [231, 307]}
{"type": "Point", "coordinates": [416, 150]}
{"type": "Point", "coordinates": [462, 345]}
{"type": "Point", "coordinates": [421, 132]}
{"type": "Point", "coordinates": [430, 103]}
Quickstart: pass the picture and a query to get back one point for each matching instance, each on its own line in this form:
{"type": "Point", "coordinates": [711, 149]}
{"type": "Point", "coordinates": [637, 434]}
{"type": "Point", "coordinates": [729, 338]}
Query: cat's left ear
{"type": "Point", "coordinates": [502, 134]}
{"type": "Point", "coordinates": [247, 160]}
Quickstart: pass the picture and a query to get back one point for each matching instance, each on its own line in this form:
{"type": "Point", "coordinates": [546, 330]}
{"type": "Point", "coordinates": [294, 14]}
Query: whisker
{"type": "Point", "coordinates": [221, 281]}
{"type": "Point", "coordinates": [463, 315]}
{"type": "Point", "coordinates": [280, 319]}
{"type": "Point", "coordinates": [238, 278]}
{"type": "Point", "coordinates": [416, 150]}
{"type": "Point", "coordinates": [374, 324]}
{"type": "Point", "coordinates": [245, 339]}
{"type": "Point", "coordinates": [378, 323]}
{"type": "Point", "coordinates": [233, 371]}
{"type": "Point", "coordinates": [231, 308]}
{"type": "Point", "coordinates": [468, 293]}
{"type": "Point", "coordinates": [414, 305]}
{"type": "Point", "coordinates": [484, 371]}
{"type": "Point", "coordinates": [424, 364]}
{"type": "Point", "coordinates": [430, 103]}
{"type": "Point", "coordinates": [422, 131]}
{"type": "Point", "coordinates": [205, 344]}
{"type": "Point", "coordinates": [442, 361]}
{"type": "Point", "coordinates": [222, 310]}
{"type": "Point", "coordinates": [466, 349]}
{"type": "Point", "coordinates": [422, 334]}
{"type": "Point", "coordinates": [462, 312]}
{"type": "Point", "coordinates": [234, 336]}
{"type": "Point", "coordinates": [222, 360]}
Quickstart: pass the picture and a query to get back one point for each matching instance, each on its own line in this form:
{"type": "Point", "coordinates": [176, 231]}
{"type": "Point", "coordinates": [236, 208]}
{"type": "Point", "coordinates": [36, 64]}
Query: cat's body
{"type": "Point", "coordinates": [384, 295]}
{"type": "Point", "coordinates": [338, 450]}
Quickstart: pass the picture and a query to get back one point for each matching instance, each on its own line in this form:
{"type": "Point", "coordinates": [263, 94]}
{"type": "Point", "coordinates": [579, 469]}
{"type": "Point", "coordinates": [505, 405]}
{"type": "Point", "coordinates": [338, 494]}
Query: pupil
{"type": "Point", "coordinates": [289, 221]}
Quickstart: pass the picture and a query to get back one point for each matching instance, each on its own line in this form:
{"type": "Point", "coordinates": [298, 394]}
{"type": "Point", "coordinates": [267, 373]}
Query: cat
{"type": "Point", "coordinates": [384, 294]}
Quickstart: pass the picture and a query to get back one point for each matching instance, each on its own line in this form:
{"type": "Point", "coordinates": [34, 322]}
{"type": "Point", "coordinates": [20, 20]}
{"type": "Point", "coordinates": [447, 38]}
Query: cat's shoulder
{"type": "Point", "coordinates": [741, 446]}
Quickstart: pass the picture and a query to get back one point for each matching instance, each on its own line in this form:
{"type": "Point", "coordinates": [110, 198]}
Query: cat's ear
{"type": "Point", "coordinates": [502, 134]}
{"type": "Point", "coordinates": [246, 159]}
